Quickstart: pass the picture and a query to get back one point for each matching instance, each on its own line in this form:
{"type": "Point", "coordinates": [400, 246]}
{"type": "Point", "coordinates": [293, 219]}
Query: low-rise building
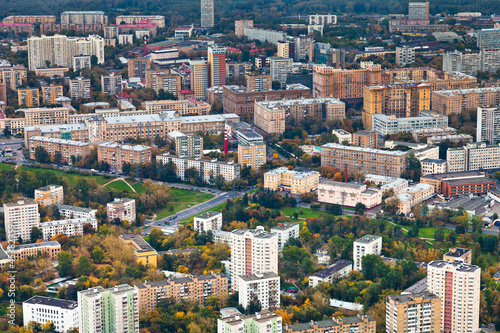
{"type": "Point", "coordinates": [387, 183]}
{"type": "Point", "coordinates": [348, 194]}
{"type": "Point", "coordinates": [71, 227]}
{"type": "Point", "coordinates": [74, 212]}
{"type": "Point", "coordinates": [121, 208]}
{"type": "Point", "coordinates": [116, 154]}
{"type": "Point", "coordinates": [48, 195]}
{"type": "Point", "coordinates": [193, 287]}
{"type": "Point", "coordinates": [459, 254]}
{"type": "Point", "coordinates": [473, 156]}
{"type": "Point", "coordinates": [416, 312]}
{"type": "Point", "coordinates": [220, 236]}
{"type": "Point", "coordinates": [67, 148]}
{"type": "Point", "coordinates": [431, 166]}
{"type": "Point", "coordinates": [390, 124]}
{"type": "Point", "coordinates": [208, 169]}
{"type": "Point", "coordinates": [359, 323]}
{"type": "Point", "coordinates": [144, 253]}
{"type": "Point", "coordinates": [64, 314]}
{"type": "Point", "coordinates": [368, 244]}
{"type": "Point", "coordinates": [209, 221]}
{"type": "Point", "coordinates": [342, 135]}
{"type": "Point", "coordinates": [365, 138]}
{"type": "Point", "coordinates": [338, 270]}
{"type": "Point", "coordinates": [260, 322]}
{"type": "Point", "coordinates": [295, 182]}
{"type": "Point", "coordinates": [482, 183]}
{"type": "Point", "coordinates": [412, 195]}
{"type": "Point", "coordinates": [261, 287]}
{"type": "Point", "coordinates": [437, 139]}
{"type": "Point", "coordinates": [26, 251]}
{"type": "Point", "coordinates": [285, 231]}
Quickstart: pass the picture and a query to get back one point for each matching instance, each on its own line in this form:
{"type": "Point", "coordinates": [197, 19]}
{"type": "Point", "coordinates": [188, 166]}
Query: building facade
{"type": "Point", "coordinates": [64, 314]}
{"type": "Point", "coordinates": [261, 287]}
{"type": "Point", "coordinates": [488, 124]}
{"type": "Point", "coordinates": [20, 217]}
{"type": "Point", "coordinates": [348, 194]}
{"type": "Point", "coordinates": [473, 156]}
{"type": "Point", "coordinates": [144, 253]}
{"type": "Point", "coordinates": [123, 209]}
{"type": "Point", "coordinates": [70, 227]}
{"type": "Point", "coordinates": [28, 251]}
{"type": "Point", "coordinates": [209, 221]}
{"type": "Point", "coordinates": [207, 14]}
{"type": "Point", "coordinates": [116, 154]}
{"type": "Point", "coordinates": [217, 65]}
{"type": "Point", "coordinates": [295, 182]}
{"type": "Point", "coordinates": [458, 286]}
{"type": "Point", "coordinates": [67, 148]}
{"type": "Point", "coordinates": [79, 88]}
{"type": "Point", "coordinates": [48, 195]}
{"type": "Point", "coordinates": [285, 232]}
{"type": "Point", "coordinates": [368, 244]}
{"type": "Point", "coordinates": [405, 55]}
{"type": "Point", "coordinates": [111, 84]}
{"type": "Point", "coordinates": [338, 270]}
{"type": "Point", "coordinates": [390, 124]}
{"type": "Point", "coordinates": [260, 322]}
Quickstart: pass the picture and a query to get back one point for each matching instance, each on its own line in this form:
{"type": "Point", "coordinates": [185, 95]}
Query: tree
{"type": "Point", "coordinates": [439, 235]}
{"type": "Point", "coordinates": [97, 254]}
{"type": "Point", "coordinates": [65, 264]}
{"type": "Point", "coordinates": [452, 237]}
{"type": "Point", "coordinates": [84, 267]}
{"type": "Point", "coordinates": [334, 209]}
{"type": "Point", "coordinates": [35, 234]}
{"type": "Point", "coordinates": [413, 232]}
{"type": "Point", "coordinates": [41, 155]}
{"type": "Point", "coordinates": [360, 208]}
{"type": "Point", "coordinates": [305, 234]}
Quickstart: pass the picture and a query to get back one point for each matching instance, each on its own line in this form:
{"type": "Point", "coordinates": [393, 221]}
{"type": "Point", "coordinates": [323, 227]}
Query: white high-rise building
{"type": "Point", "coordinates": [62, 313]}
{"type": "Point", "coordinates": [368, 244]}
{"type": "Point", "coordinates": [285, 231]}
{"type": "Point", "coordinates": [59, 50]}
{"type": "Point", "coordinates": [20, 217]}
{"type": "Point", "coordinates": [264, 288]}
{"type": "Point", "coordinates": [261, 322]}
{"type": "Point", "coordinates": [253, 251]}
{"type": "Point", "coordinates": [458, 286]}
{"type": "Point", "coordinates": [109, 310]}
{"type": "Point", "coordinates": [207, 13]}
{"type": "Point", "coordinates": [209, 221]}
{"type": "Point", "coordinates": [280, 67]}
{"type": "Point", "coordinates": [405, 55]}
{"type": "Point", "coordinates": [488, 124]}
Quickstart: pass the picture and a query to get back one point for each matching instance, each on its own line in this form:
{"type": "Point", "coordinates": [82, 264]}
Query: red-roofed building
{"type": "Point", "coordinates": [185, 94]}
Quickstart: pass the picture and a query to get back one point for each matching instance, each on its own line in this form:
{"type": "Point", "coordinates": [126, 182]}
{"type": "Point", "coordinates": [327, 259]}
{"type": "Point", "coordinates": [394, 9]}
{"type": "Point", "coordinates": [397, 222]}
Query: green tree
{"type": "Point", "coordinates": [360, 208]}
{"type": "Point", "coordinates": [84, 267]}
{"type": "Point", "coordinates": [41, 155]}
{"type": "Point", "coordinates": [35, 234]}
{"type": "Point", "coordinates": [65, 263]}
{"type": "Point", "coordinates": [452, 237]}
{"type": "Point", "coordinates": [439, 235]}
{"type": "Point", "coordinates": [97, 254]}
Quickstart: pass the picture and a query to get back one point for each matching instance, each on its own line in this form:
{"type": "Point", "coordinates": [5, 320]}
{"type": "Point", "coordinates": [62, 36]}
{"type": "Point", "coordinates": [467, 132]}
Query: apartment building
{"type": "Point", "coordinates": [459, 254]}
{"type": "Point", "coordinates": [137, 67]}
{"type": "Point", "coordinates": [280, 67]}
{"type": "Point", "coordinates": [51, 93]}
{"type": "Point", "coordinates": [433, 131]}
{"type": "Point", "coordinates": [158, 20]}
{"type": "Point", "coordinates": [67, 148]}
{"type": "Point", "coordinates": [240, 101]}
{"type": "Point", "coordinates": [14, 76]}
{"type": "Point", "coordinates": [79, 88]}
{"type": "Point", "coordinates": [295, 182]}
{"type": "Point", "coordinates": [74, 212]}
{"type": "Point", "coordinates": [217, 65]}
{"type": "Point", "coordinates": [400, 100]}
{"type": "Point", "coordinates": [365, 138]}
{"type": "Point", "coordinates": [111, 84]}
{"type": "Point", "coordinates": [261, 322]}
{"type": "Point", "coordinates": [116, 154]}
{"type": "Point", "coordinates": [109, 310]}
{"type": "Point", "coordinates": [121, 208]}
{"type": "Point", "coordinates": [45, 116]}
{"type": "Point", "coordinates": [342, 135]}
{"type": "Point", "coordinates": [431, 166]}
{"type": "Point", "coordinates": [240, 25]}
{"type": "Point", "coordinates": [260, 287]}
{"type": "Point", "coordinates": [168, 82]}
{"type": "Point", "coordinates": [338, 270]}
{"type": "Point", "coordinates": [81, 62]}
{"type": "Point", "coordinates": [270, 116]}
{"type": "Point", "coordinates": [207, 14]}
{"type": "Point", "coordinates": [70, 227]}
{"type": "Point", "coordinates": [58, 50]}
{"type": "Point", "coordinates": [259, 82]}
{"type": "Point", "coordinates": [405, 55]}
{"type": "Point", "coordinates": [473, 156]}
{"type": "Point", "coordinates": [64, 314]}
{"type": "Point", "coordinates": [348, 194]}
{"type": "Point", "coordinates": [192, 287]}
{"type": "Point", "coordinates": [458, 286]}
{"type": "Point", "coordinates": [20, 217]}
{"type": "Point", "coordinates": [285, 232]}
{"type": "Point", "coordinates": [374, 161]}
{"type": "Point", "coordinates": [344, 84]}
{"type": "Point", "coordinates": [84, 17]}
{"type": "Point", "coordinates": [418, 11]}
{"type": "Point", "coordinates": [186, 107]}
{"type": "Point", "coordinates": [479, 183]}
{"type": "Point", "coordinates": [467, 63]}
{"type": "Point", "coordinates": [49, 195]}
{"type": "Point", "coordinates": [252, 154]}
{"type": "Point", "coordinates": [27, 251]}
{"type": "Point", "coordinates": [488, 124]}
{"type": "Point", "coordinates": [359, 323]}
{"type": "Point", "coordinates": [416, 313]}
{"type": "Point", "coordinates": [199, 78]}
{"type": "Point", "coordinates": [286, 49]}
{"type": "Point", "coordinates": [323, 19]}
{"type": "Point", "coordinates": [436, 79]}
{"type": "Point", "coordinates": [208, 169]}
{"type": "Point", "coordinates": [209, 221]}
{"type": "Point", "coordinates": [29, 19]}
{"type": "Point", "coordinates": [390, 124]}
{"type": "Point", "coordinates": [28, 97]}
{"type": "Point", "coordinates": [412, 195]}
{"type": "Point", "coordinates": [253, 251]}
{"type": "Point", "coordinates": [187, 145]}
{"type": "Point", "coordinates": [264, 35]}
{"type": "Point", "coordinates": [368, 244]}
{"type": "Point", "coordinates": [144, 253]}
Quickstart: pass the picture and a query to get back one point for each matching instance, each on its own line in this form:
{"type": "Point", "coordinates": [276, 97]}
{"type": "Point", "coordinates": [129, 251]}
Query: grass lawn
{"type": "Point", "coordinates": [218, 208]}
{"type": "Point", "coordinates": [72, 178]}
{"type": "Point", "coordinates": [139, 187]}
{"type": "Point", "coordinates": [308, 212]}
{"type": "Point", "coordinates": [183, 199]}
{"type": "Point", "coordinates": [120, 186]}
{"type": "Point", "coordinates": [428, 232]}
{"type": "Point", "coordinates": [5, 166]}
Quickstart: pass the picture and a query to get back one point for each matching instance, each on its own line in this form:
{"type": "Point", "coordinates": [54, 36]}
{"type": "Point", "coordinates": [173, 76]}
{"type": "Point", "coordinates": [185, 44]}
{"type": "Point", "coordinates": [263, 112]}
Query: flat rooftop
{"type": "Point", "coordinates": [406, 298]}
{"type": "Point", "coordinates": [255, 277]}
{"type": "Point", "coordinates": [332, 269]}
{"type": "Point", "coordinates": [208, 215]}
{"type": "Point", "coordinates": [367, 239]}
{"type": "Point", "coordinates": [458, 265]}
{"type": "Point", "coordinates": [366, 150]}
{"type": "Point", "coordinates": [274, 105]}
{"type": "Point", "coordinates": [457, 252]}
{"type": "Point", "coordinates": [36, 245]}
{"type": "Point", "coordinates": [140, 244]}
